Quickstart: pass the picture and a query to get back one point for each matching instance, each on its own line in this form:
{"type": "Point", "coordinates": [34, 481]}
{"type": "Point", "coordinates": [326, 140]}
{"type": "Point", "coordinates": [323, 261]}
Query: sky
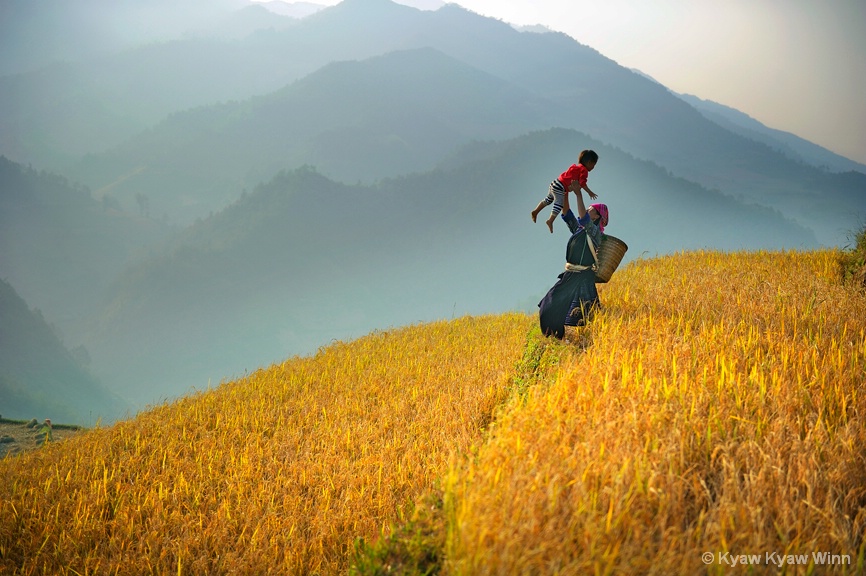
{"type": "Point", "coordinates": [794, 65]}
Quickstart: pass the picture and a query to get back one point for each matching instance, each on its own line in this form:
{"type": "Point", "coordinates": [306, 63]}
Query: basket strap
{"type": "Point", "coordinates": [591, 247]}
{"type": "Point", "coordinates": [577, 268]}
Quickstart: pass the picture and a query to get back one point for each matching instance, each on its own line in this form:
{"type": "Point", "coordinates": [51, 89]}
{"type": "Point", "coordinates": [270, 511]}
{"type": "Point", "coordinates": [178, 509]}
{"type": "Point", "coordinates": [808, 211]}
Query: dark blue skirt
{"type": "Point", "coordinates": [570, 302]}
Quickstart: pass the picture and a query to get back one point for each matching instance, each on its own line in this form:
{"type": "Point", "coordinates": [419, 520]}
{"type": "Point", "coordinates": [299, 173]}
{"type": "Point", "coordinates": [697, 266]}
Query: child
{"type": "Point", "coordinates": [572, 180]}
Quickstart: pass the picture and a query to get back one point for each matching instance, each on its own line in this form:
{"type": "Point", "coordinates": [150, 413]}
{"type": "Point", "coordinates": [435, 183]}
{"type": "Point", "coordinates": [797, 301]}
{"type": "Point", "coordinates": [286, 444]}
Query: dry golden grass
{"type": "Point", "coordinates": [721, 408]}
{"type": "Point", "coordinates": [276, 473]}
{"type": "Point", "coordinates": [716, 405]}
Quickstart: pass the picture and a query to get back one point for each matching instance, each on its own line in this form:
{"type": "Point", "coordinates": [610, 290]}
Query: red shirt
{"type": "Point", "coordinates": [575, 172]}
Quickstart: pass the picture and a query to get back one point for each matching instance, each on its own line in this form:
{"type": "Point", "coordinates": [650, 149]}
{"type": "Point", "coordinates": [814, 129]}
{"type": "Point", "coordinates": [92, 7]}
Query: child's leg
{"type": "Point", "coordinates": [558, 192]}
{"type": "Point", "coordinates": [541, 205]}
{"type": "Point", "coordinates": [550, 199]}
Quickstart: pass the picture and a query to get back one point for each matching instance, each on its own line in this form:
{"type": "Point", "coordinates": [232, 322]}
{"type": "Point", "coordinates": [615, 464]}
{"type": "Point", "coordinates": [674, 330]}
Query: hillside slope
{"type": "Point", "coordinates": [275, 473]}
{"type": "Point", "coordinates": [39, 377]}
{"type": "Point", "coordinates": [716, 405]}
{"type": "Point", "coordinates": [719, 409]}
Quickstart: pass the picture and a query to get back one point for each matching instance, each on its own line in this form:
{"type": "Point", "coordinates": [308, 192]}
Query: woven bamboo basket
{"type": "Point", "coordinates": [610, 254]}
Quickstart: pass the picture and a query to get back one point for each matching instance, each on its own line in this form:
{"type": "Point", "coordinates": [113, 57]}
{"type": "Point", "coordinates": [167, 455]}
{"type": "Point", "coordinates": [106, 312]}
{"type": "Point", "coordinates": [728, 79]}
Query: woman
{"type": "Point", "coordinates": [573, 298]}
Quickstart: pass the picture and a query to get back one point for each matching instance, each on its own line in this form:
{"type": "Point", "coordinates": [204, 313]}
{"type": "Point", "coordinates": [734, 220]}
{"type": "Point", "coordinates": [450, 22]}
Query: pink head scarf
{"type": "Point", "coordinates": [602, 210]}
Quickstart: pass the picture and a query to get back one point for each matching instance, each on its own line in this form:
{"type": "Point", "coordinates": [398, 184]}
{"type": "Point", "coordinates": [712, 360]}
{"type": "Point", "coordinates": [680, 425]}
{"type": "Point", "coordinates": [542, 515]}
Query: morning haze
{"type": "Point", "coordinates": [225, 187]}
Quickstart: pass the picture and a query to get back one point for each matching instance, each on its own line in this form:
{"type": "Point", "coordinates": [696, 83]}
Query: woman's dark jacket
{"type": "Point", "coordinates": [571, 301]}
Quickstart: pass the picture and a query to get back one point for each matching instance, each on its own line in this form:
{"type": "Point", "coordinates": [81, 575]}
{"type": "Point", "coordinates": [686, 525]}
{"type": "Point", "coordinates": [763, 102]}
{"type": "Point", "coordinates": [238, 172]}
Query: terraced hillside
{"type": "Point", "coordinates": [716, 406]}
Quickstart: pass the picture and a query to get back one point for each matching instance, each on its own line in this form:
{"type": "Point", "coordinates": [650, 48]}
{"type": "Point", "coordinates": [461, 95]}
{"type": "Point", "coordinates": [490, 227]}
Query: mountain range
{"type": "Point", "coordinates": [191, 208]}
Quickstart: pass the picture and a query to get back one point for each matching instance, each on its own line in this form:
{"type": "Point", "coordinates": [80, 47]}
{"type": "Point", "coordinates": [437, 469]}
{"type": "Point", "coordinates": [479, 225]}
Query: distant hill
{"type": "Point", "coordinates": [292, 9]}
{"type": "Point", "coordinates": [355, 121]}
{"type": "Point", "coordinates": [303, 259]}
{"type": "Point", "coordinates": [38, 34]}
{"type": "Point", "coordinates": [788, 144]}
{"type": "Point", "coordinates": [54, 116]}
{"type": "Point", "coordinates": [250, 19]}
{"type": "Point", "coordinates": [60, 247]}
{"type": "Point", "coordinates": [39, 377]}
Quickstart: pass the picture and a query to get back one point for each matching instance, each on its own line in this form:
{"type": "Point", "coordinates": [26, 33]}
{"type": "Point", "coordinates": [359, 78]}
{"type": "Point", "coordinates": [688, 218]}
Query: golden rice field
{"type": "Point", "coordinates": [716, 406]}
{"type": "Point", "coordinates": [720, 408]}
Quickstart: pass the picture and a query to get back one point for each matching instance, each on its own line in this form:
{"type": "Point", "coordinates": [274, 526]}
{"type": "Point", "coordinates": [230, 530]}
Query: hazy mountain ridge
{"type": "Point", "coordinates": [60, 246]}
{"type": "Point", "coordinates": [622, 108]}
{"type": "Point", "coordinates": [789, 144]}
{"type": "Point", "coordinates": [36, 34]}
{"type": "Point", "coordinates": [39, 377]}
{"type": "Point", "coordinates": [356, 121]}
{"type": "Point", "coordinates": [292, 9]}
{"type": "Point", "coordinates": [56, 116]}
{"type": "Point", "coordinates": [583, 89]}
